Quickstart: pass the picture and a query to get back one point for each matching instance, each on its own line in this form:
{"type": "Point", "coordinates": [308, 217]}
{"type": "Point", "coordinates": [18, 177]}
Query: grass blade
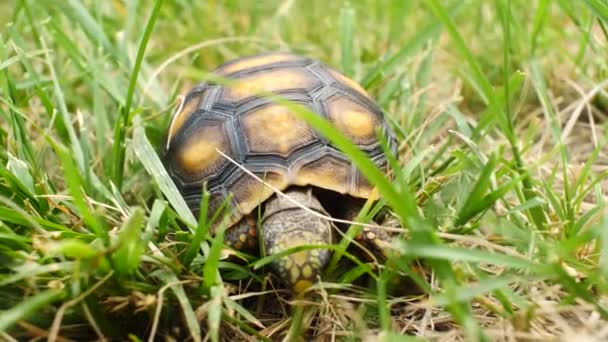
{"type": "Point", "coordinates": [347, 23]}
{"type": "Point", "coordinates": [130, 244]}
{"type": "Point", "coordinates": [148, 157]}
{"type": "Point", "coordinates": [75, 186]}
{"type": "Point", "coordinates": [211, 276]}
{"type": "Point", "coordinates": [481, 288]}
{"type": "Point", "coordinates": [471, 205]}
{"type": "Point", "coordinates": [78, 13]}
{"type": "Point", "coordinates": [201, 231]}
{"type": "Point", "coordinates": [28, 307]}
{"type": "Point", "coordinates": [599, 9]}
{"type": "Point", "coordinates": [479, 79]}
{"type": "Point", "coordinates": [540, 18]}
{"type": "Point", "coordinates": [77, 152]}
{"type": "Point", "coordinates": [454, 254]}
{"type": "Point", "coordinates": [214, 317]}
{"type": "Point", "coordinates": [123, 121]}
{"type": "Point", "coordinates": [189, 315]}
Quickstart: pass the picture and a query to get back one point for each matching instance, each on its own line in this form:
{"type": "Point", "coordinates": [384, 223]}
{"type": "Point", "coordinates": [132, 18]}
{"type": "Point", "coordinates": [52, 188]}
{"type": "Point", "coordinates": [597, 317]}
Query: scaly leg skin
{"type": "Point", "coordinates": [285, 225]}
{"type": "Point", "coordinates": [243, 236]}
{"type": "Point", "coordinates": [375, 240]}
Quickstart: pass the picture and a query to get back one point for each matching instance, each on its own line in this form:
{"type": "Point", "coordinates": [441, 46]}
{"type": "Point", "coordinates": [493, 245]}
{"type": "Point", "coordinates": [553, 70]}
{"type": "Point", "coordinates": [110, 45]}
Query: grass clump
{"type": "Point", "coordinates": [500, 182]}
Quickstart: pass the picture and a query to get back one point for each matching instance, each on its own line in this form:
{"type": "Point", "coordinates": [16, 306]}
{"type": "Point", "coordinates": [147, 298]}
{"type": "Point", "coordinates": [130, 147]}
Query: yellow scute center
{"type": "Point", "coordinates": [199, 155]}
{"type": "Point", "coordinates": [275, 129]}
{"type": "Point", "coordinates": [281, 79]}
{"type": "Point", "coordinates": [357, 123]}
{"type": "Point", "coordinates": [279, 122]}
{"type": "Point", "coordinates": [349, 82]}
{"type": "Point", "coordinates": [353, 119]}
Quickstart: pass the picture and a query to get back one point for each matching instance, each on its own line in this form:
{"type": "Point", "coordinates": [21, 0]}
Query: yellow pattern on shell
{"type": "Point", "coordinates": [353, 119]}
{"type": "Point", "coordinates": [327, 173]}
{"type": "Point", "coordinates": [275, 129]}
{"type": "Point", "coordinates": [270, 81]}
{"type": "Point", "coordinates": [199, 155]}
{"type": "Point", "coordinates": [249, 193]}
{"type": "Point", "coordinates": [349, 82]}
{"type": "Point", "coordinates": [258, 61]}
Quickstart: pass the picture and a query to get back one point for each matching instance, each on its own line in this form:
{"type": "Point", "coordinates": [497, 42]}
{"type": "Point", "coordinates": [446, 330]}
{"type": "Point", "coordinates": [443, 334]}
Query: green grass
{"type": "Point", "coordinates": [499, 192]}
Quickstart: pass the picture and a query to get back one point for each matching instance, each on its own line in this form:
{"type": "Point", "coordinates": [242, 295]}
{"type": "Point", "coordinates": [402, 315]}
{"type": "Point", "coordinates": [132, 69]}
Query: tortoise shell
{"type": "Point", "coordinates": [268, 139]}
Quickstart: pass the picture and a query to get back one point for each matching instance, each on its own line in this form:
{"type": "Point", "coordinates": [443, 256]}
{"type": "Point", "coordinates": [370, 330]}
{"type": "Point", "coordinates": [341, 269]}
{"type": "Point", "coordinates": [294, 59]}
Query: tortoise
{"type": "Point", "coordinates": [273, 143]}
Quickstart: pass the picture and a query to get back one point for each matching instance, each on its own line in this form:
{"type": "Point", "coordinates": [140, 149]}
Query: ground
{"type": "Point", "coordinates": [497, 200]}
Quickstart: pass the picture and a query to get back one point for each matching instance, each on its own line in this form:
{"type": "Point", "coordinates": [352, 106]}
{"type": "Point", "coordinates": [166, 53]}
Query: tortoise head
{"type": "Point", "coordinates": [286, 225]}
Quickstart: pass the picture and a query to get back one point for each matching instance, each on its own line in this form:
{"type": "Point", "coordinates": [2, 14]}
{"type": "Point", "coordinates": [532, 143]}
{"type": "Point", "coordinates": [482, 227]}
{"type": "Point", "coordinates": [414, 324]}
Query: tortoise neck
{"type": "Point", "coordinates": [295, 198]}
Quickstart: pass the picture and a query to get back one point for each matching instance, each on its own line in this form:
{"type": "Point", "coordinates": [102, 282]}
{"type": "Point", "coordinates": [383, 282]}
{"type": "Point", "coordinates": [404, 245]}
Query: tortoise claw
{"type": "Point", "coordinates": [376, 241]}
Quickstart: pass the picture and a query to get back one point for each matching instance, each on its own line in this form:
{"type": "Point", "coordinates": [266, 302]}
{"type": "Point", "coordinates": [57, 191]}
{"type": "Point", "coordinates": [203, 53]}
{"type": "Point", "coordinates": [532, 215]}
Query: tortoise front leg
{"type": "Point", "coordinates": [375, 240]}
{"type": "Point", "coordinates": [243, 236]}
{"type": "Point", "coordinates": [377, 243]}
